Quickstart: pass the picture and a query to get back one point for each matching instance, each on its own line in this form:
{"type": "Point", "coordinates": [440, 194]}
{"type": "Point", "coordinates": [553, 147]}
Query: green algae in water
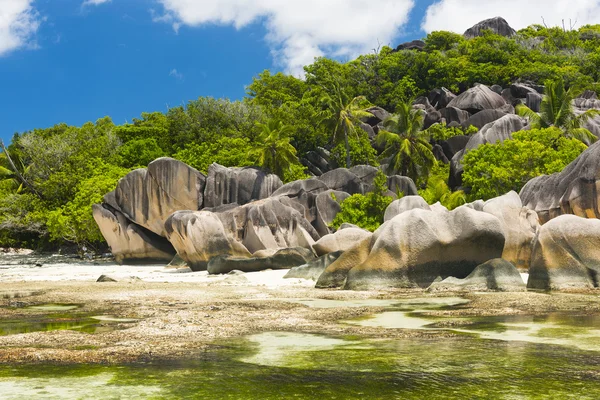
{"type": "Point", "coordinates": [455, 368]}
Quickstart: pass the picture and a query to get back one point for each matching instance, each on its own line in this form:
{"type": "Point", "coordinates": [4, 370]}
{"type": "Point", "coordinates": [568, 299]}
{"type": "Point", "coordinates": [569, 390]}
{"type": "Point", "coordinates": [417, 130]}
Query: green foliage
{"type": "Point", "coordinates": [74, 222]}
{"type": "Point", "coordinates": [366, 211]}
{"type": "Point", "coordinates": [438, 190]}
{"type": "Point", "coordinates": [139, 153]}
{"type": "Point", "coordinates": [229, 152]}
{"type": "Point", "coordinates": [443, 132]}
{"type": "Point", "coordinates": [361, 151]}
{"type": "Point", "coordinates": [273, 150]}
{"type": "Point", "coordinates": [557, 110]}
{"type": "Point", "coordinates": [407, 148]}
{"type": "Point", "coordinates": [495, 169]}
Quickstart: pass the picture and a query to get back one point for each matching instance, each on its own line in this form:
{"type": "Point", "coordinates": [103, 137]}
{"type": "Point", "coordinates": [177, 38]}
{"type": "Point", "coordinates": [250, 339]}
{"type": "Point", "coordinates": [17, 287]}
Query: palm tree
{"type": "Point", "coordinates": [557, 110]}
{"type": "Point", "coordinates": [346, 114]}
{"type": "Point", "coordinates": [406, 146]}
{"type": "Point", "coordinates": [13, 172]}
{"type": "Point", "coordinates": [438, 190]}
{"type": "Point", "coordinates": [274, 151]}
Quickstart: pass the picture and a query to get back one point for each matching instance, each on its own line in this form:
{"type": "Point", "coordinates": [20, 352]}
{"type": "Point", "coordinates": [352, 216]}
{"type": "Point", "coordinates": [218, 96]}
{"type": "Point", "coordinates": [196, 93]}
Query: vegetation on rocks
{"type": "Point", "coordinates": [50, 177]}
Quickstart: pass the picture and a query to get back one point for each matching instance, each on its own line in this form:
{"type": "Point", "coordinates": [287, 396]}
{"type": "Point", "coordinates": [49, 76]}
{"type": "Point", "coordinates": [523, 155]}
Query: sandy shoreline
{"type": "Point", "coordinates": [181, 313]}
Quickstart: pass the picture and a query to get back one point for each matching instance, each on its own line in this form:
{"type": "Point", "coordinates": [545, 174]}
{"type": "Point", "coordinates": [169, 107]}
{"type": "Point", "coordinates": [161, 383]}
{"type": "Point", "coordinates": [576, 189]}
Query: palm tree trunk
{"type": "Point", "coordinates": [347, 143]}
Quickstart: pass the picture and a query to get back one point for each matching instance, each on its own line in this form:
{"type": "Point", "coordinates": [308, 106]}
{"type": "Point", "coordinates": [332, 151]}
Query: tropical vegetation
{"type": "Point", "coordinates": [50, 177]}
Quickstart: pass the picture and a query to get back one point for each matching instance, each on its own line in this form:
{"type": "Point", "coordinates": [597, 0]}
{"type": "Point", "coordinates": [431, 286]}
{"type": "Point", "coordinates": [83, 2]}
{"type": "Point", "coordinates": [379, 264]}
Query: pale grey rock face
{"type": "Point", "coordinates": [238, 185]}
{"type": "Point", "coordinates": [404, 204]}
{"type": "Point", "coordinates": [484, 117]}
{"type": "Point", "coordinates": [414, 248]}
{"type": "Point", "coordinates": [495, 275]}
{"type": "Point", "coordinates": [520, 226]}
{"type": "Point", "coordinates": [402, 184]}
{"type": "Point", "coordinates": [575, 190]}
{"type": "Point", "coordinates": [342, 240]}
{"type": "Point", "coordinates": [327, 205]}
{"type": "Point", "coordinates": [498, 25]}
{"type": "Point", "coordinates": [313, 269]}
{"type": "Point", "coordinates": [199, 236]}
{"type": "Point", "coordinates": [281, 259]}
{"type": "Point", "coordinates": [566, 255]}
{"type": "Point", "coordinates": [148, 196]}
{"type": "Point", "coordinates": [268, 224]}
{"type": "Point", "coordinates": [440, 98]}
{"type": "Point", "coordinates": [476, 99]}
{"type": "Point", "coordinates": [130, 243]}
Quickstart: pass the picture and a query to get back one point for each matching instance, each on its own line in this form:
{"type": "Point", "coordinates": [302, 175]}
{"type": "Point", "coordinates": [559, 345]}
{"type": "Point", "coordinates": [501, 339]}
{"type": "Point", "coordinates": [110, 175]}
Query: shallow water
{"type": "Point", "coordinates": [287, 365]}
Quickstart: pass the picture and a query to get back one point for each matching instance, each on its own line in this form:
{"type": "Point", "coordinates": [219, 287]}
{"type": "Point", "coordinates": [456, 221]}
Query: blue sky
{"type": "Point", "coordinates": [66, 61]}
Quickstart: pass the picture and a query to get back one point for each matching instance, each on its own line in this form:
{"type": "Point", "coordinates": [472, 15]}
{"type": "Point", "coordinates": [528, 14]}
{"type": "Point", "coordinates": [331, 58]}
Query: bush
{"type": "Point", "coordinates": [495, 169]}
{"type": "Point", "coordinates": [366, 211]}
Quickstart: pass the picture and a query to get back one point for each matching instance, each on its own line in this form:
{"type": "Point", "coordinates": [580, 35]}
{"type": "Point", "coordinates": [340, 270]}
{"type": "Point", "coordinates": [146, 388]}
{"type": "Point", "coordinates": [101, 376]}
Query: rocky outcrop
{"type": "Point", "coordinates": [520, 225]}
{"type": "Point", "coordinates": [453, 114]}
{"type": "Point", "coordinates": [271, 223]}
{"type": "Point", "coordinates": [280, 259]}
{"type": "Point", "coordinates": [148, 196]}
{"type": "Point", "coordinates": [402, 184]}
{"type": "Point", "coordinates": [494, 132]}
{"type": "Point", "coordinates": [416, 247]}
{"type": "Point", "coordinates": [566, 255]}
{"type": "Point", "coordinates": [477, 99]}
{"type": "Point", "coordinates": [418, 45]}
{"type": "Point", "coordinates": [130, 243]}
{"type": "Point", "coordinates": [495, 275]}
{"type": "Point", "coordinates": [378, 116]}
{"type": "Point", "coordinates": [199, 236]}
{"type": "Point", "coordinates": [404, 204]}
{"type": "Point", "coordinates": [318, 161]}
{"type": "Point", "coordinates": [572, 191]}
{"type": "Point", "coordinates": [327, 205]}
{"type": "Point", "coordinates": [313, 269]}
{"type": "Point", "coordinates": [342, 240]}
{"type": "Point", "coordinates": [483, 118]}
{"type": "Point", "coordinates": [237, 185]}
{"type": "Point", "coordinates": [440, 98]}
{"type": "Point", "coordinates": [497, 25]}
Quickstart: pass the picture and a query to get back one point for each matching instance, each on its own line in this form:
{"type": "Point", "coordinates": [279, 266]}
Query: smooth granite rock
{"type": "Point", "coordinates": [566, 255]}
{"type": "Point", "coordinates": [496, 275]}
{"type": "Point", "coordinates": [417, 246]}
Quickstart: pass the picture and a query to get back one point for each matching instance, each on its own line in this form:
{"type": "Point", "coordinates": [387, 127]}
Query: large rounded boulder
{"type": "Point", "coordinates": [416, 247]}
{"type": "Point", "coordinates": [566, 255]}
{"type": "Point", "coordinates": [498, 25]}
{"type": "Point", "coordinates": [130, 243]}
{"type": "Point", "coordinates": [575, 190]}
{"type": "Point", "coordinates": [147, 196]}
{"type": "Point", "coordinates": [520, 226]}
{"type": "Point", "coordinates": [476, 99]}
{"type": "Point", "coordinates": [342, 240]}
{"type": "Point", "coordinates": [199, 236]}
{"type": "Point", "coordinates": [237, 185]}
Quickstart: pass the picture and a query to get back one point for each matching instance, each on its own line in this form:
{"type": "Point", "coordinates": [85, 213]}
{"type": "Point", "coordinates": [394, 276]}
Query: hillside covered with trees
{"type": "Point", "coordinates": [390, 108]}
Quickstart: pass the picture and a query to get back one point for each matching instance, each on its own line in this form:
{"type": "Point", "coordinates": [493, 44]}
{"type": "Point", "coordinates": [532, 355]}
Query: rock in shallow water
{"type": "Point", "coordinates": [414, 248]}
{"type": "Point", "coordinates": [566, 255]}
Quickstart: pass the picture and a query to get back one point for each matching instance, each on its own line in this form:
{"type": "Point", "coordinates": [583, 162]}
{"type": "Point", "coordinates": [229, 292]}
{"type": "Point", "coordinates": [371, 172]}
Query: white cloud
{"type": "Point", "coordinates": [94, 2]}
{"type": "Point", "coordinates": [176, 74]}
{"type": "Point", "coordinates": [299, 30]}
{"type": "Point", "coordinates": [19, 21]}
{"type": "Point", "coordinates": [460, 15]}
